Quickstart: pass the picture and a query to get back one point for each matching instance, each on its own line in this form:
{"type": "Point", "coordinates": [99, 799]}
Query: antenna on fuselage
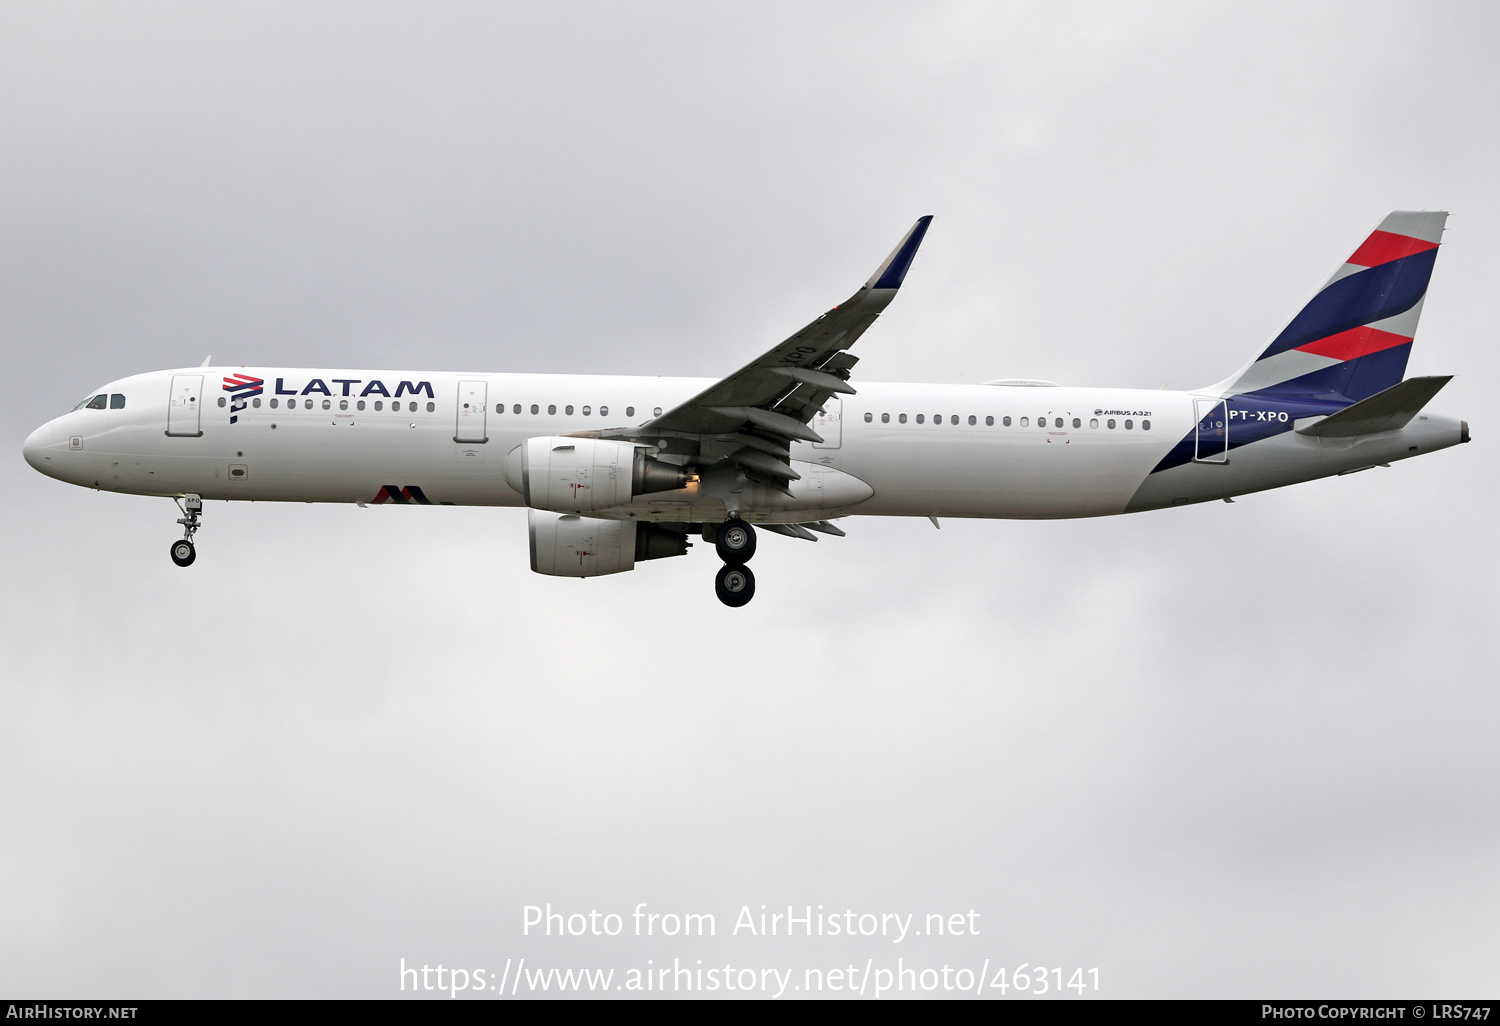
{"type": "Point", "coordinates": [207, 360]}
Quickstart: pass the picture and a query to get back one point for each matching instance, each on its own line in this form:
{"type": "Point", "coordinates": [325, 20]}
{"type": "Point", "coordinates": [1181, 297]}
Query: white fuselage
{"type": "Point", "coordinates": [996, 460]}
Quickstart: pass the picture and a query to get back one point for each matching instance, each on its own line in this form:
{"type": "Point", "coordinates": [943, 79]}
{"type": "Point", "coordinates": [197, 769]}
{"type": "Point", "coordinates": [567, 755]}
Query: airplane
{"type": "Point", "coordinates": [619, 470]}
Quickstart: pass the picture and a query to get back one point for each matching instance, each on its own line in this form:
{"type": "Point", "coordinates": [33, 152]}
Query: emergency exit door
{"type": "Point", "coordinates": [183, 418]}
{"type": "Point", "coordinates": [473, 396]}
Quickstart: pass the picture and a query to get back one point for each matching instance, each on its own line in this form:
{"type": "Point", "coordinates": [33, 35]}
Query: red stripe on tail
{"type": "Point", "coordinates": [1383, 247]}
{"type": "Point", "coordinates": [1354, 343]}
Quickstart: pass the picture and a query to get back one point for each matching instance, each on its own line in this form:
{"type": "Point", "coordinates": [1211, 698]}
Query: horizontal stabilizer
{"type": "Point", "coordinates": [1390, 410]}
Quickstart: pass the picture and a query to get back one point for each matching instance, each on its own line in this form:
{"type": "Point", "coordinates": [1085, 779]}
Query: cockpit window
{"type": "Point", "coordinates": [116, 401]}
{"type": "Point", "coordinates": [96, 403]}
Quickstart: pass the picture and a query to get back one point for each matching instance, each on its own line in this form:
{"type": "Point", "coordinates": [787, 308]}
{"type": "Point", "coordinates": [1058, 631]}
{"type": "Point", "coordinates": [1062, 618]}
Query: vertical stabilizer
{"type": "Point", "coordinates": [1353, 337]}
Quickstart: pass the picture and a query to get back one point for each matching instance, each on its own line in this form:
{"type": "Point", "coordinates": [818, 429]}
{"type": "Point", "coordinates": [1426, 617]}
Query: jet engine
{"type": "Point", "coordinates": [576, 475]}
{"type": "Point", "coordinates": [563, 545]}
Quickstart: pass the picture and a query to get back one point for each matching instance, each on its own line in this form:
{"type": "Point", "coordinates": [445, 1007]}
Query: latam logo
{"type": "Point", "coordinates": [240, 388]}
{"type": "Point", "coordinates": [319, 387]}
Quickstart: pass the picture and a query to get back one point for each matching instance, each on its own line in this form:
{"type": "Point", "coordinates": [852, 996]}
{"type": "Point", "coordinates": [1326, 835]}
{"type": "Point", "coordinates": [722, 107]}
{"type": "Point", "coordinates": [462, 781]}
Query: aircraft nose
{"type": "Point", "coordinates": [37, 448]}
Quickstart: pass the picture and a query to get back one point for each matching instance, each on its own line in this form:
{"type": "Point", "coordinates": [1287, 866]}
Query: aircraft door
{"type": "Point", "coordinates": [830, 424]}
{"type": "Point", "coordinates": [1212, 441]}
{"type": "Point", "coordinates": [473, 399]}
{"type": "Point", "coordinates": [182, 407]}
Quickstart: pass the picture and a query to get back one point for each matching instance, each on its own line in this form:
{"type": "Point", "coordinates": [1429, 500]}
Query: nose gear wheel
{"type": "Point", "coordinates": [183, 552]}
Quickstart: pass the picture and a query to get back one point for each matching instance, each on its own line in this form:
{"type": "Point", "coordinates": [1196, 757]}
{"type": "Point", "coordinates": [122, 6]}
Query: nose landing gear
{"type": "Point", "coordinates": [735, 541]}
{"type": "Point", "coordinates": [183, 552]}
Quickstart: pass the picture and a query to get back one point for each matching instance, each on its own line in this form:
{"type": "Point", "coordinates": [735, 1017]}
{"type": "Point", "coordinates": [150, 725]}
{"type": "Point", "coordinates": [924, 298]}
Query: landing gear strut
{"type": "Point", "coordinates": [735, 541]}
{"type": "Point", "coordinates": [183, 552]}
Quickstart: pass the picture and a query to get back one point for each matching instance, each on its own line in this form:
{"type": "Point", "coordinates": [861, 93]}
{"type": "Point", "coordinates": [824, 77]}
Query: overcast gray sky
{"type": "Point", "coordinates": [1226, 750]}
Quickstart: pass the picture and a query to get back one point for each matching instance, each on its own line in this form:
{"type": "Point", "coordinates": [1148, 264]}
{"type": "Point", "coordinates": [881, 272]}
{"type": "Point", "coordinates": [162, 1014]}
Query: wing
{"type": "Point", "coordinates": [753, 415]}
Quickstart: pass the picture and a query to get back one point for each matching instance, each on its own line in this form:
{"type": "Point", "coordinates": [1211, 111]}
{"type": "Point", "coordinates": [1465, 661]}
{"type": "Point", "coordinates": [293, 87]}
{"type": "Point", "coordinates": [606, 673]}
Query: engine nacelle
{"type": "Point", "coordinates": [563, 545]}
{"type": "Point", "coordinates": [576, 475]}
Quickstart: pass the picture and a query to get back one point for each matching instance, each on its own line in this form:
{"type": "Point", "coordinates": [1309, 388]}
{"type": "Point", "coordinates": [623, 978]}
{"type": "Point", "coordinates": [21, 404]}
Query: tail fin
{"type": "Point", "coordinates": [1353, 337]}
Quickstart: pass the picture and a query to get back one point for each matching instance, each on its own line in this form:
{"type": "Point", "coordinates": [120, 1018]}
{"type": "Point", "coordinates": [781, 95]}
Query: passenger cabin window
{"type": "Point", "coordinates": [1077, 422]}
{"type": "Point", "coordinates": [117, 401]}
{"type": "Point", "coordinates": [274, 404]}
{"type": "Point", "coordinates": [358, 406]}
{"type": "Point", "coordinates": [989, 422]}
{"type": "Point", "coordinates": [535, 409]}
{"type": "Point", "coordinates": [517, 408]}
{"type": "Point", "coordinates": [1094, 422]}
{"type": "Point", "coordinates": [551, 411]}
{"type": "Point", "coordinates": [869, 417]}
{"type": "Point", "coordinates": [568, 410]}
{"type": "Point", "coordinates": [327, 404]}
{"type": "Point", "coordinates": [604, 411]}
{"type": "Point", "coordinates": [919, 418]}
{"type": "Point", "coordinates": [378, 405]}
{"type": "Point", "coordinates": [1005, 421]}
{"type": "Point", "coordinates": [972, 419]}
{"type": "Point", "coordinates": [630, 411]}
{"type": "Point", "coordinates": [656, 412]}
{"type": "Point", "coordinates": [586, 410]}
{"type": "Point", "coordinates": [902, 418]}
{"type": "Point", "coordinates": [1128, 425]}
{"type": "Point", "coordinates": [1110, 423]}
{"type": "Point", "coordinates": [222, 401]}
{"type": "Point", "coordinates": [343, 404]}
{"type": "Point", "coordinates": [1145, 425]}
{"type": "Point", "coordinates": [1025, 422]}
{"type": "Point", "coordinates": [954, 419]}
{"type": "Point", "coordinates": [885, 418]}
{"type": "Point", "coordinates": [430, 407]}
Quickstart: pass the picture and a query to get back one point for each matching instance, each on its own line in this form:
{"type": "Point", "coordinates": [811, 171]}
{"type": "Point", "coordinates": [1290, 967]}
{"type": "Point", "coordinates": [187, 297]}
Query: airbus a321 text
{"type": "Point", "coordinates": [616, 470]}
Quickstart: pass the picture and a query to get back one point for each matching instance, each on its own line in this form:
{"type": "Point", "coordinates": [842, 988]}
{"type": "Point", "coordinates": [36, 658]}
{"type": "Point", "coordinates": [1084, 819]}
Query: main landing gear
{"type": "Point", "coordinates": [735, 584]}
{"type": "Point", "coordinates": [183, 552]}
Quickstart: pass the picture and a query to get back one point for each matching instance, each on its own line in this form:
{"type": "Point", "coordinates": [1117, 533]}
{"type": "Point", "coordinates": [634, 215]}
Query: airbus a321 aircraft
{"type": "Point", "coordinates": [616, 470]}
